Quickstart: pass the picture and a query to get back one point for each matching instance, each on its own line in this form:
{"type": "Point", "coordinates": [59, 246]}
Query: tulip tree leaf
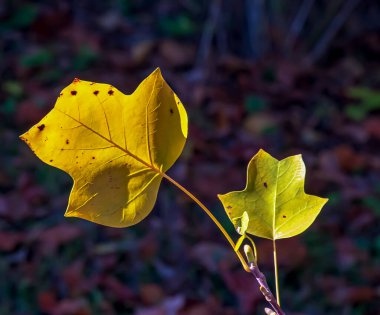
{"type": "Point", "coordinates": [274, 198]}
{"type": "Point", "coordinates": [116, 147]}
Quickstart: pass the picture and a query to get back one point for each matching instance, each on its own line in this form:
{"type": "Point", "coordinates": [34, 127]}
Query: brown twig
{"type": "Point", "coordinates": [333, 29]}
{"type": "Point", "coordinates": [208, 33]}
{"type": "Point", "coordinates": [299, 22]}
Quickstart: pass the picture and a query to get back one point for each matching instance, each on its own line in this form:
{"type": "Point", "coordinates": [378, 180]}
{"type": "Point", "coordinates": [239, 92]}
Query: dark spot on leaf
{"type": "Point", "coordinates": [51, 160]}
{"type": "Point", "coordinates": [171, 111]}
{"type": "Point", "coordinates": [76, 80]}
{"type": "Point", "coordinates": [92, 83]}
{"type": "Point", "coordinates": [73, 92]}
{"type": "Point", "coordinates": [110, 92]}
{"type": "Point", "coordinates": [265, 185]}
{"type": "Point", "coordinates": [41, 127]}
{"type": "Point", "coordinates": [93, 157]}
{"type": "Point", "coordinates": [284, 216]}
{"type": "Point", "coordinates": [96, 92]}
{"type": "Point", "coordinates": [61, 94]}
{"type": "Point", "coordinates": [67, 141]}
{"type": "Point", "coordinates": [229, 207]}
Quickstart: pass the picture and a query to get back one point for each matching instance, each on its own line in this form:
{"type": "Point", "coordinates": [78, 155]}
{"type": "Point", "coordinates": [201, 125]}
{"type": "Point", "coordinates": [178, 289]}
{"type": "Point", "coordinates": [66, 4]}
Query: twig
{"type": "Point", "coordinates": [208, 33]}
{"type": "Point", "coordinates": [260, 277]}
{"type": "Point", "coordinates": [333, 29]}
{"type": "Point", "coordinates": [299, 21]}
{"type": "Point", "coordinates": [264, 288]}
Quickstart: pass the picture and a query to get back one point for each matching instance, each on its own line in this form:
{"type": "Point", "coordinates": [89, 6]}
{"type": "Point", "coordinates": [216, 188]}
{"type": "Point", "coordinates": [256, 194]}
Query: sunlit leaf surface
{"type": "Point", "coordinates": [274, 198]}
{"type": "Point", "coordinates": [114, 146]}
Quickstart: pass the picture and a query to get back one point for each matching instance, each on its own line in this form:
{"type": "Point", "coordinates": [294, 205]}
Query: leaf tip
{"type": "Point", "coordinates": [262, 154]}
{"type": "Point", "coordinates": [155, 76]}
{"type": "Point", "coordinates": [261, 151]}
{"type": "Point", "coordinates": [23, 137]}
{"type": "Point", "coordinates": [68, 214]}
{"type": "Point", "coordinates": [296, 156]}
{"type": "Point", "coordinates": [157, 72]}
{"type": "Point", "coordinates": [222, 197]}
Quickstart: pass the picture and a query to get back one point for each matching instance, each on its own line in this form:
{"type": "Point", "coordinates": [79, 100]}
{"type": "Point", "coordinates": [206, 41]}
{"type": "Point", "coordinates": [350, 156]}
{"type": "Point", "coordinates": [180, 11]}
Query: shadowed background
{"type": "Point", "coordinates": [286, 76]}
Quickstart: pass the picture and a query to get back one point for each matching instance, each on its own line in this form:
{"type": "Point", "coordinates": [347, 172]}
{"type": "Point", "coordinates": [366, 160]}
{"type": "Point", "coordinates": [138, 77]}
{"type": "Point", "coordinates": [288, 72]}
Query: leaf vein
{"type": "Point", "coordinates": [113, 143]}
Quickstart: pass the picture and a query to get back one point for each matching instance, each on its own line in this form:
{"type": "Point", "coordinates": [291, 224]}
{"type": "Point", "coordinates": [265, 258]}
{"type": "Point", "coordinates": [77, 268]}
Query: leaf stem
{"type": "Point", "coordinates": [208, 212]}
{"type": "Point", "coordinates": [251, 267]}
{"type": "Point", "coordinates": [276, 272]}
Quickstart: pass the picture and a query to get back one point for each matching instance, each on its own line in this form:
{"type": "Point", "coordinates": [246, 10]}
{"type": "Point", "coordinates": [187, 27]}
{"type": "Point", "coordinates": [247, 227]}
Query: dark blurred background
{"type": "Point", "coordinates": [286, 76]}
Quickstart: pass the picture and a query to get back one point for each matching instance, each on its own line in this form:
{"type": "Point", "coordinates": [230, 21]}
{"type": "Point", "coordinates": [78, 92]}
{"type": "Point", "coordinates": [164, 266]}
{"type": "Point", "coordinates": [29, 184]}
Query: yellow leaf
{"type": "Point", "coordinates": [115, 146]}
{"type": "Point", "coordinates": [274, 198]}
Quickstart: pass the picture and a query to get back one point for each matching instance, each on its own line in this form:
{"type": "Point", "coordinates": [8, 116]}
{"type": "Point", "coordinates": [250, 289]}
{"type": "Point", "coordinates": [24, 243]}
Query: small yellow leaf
{"type": "Point", "coordinates": [115, 146]}
{"type": "Point", "coordinates": [241, 223]}
{"type": "Point", "coordinates": [274, 198]}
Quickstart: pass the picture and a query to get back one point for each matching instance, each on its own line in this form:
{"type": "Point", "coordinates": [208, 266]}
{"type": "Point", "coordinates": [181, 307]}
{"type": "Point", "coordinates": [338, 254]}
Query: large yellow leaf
{"type": "Point", "coordinates": [115, 146]}
{"type": "Point", "coordinates": [274, 198]}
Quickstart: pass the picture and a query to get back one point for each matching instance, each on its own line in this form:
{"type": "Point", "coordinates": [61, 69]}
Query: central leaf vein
{"type": "Point", "coordinates": [113, 143]}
